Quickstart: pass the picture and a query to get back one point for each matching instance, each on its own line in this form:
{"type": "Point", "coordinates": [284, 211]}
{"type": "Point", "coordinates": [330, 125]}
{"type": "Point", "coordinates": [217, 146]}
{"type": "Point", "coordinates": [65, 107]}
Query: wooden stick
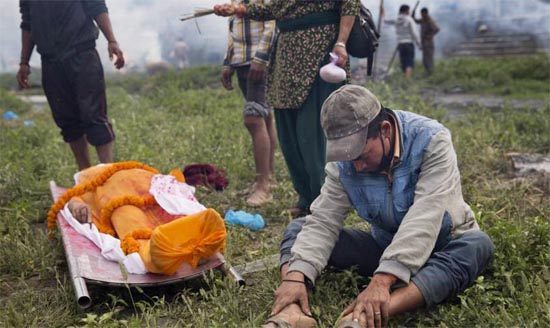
{"type": "Point", "coordinates": [198, 13]}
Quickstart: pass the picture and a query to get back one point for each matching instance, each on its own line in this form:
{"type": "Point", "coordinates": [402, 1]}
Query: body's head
{"type": "Point", "coordinates": [424, 13]}
{"type": "Point", "coordinates": [404, 10]}
{"type": "Point", "coordinates": [358, 129]}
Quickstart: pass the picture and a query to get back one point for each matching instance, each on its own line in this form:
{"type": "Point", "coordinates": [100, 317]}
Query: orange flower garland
{"type": "Point", "coordinates": [130, 245]}
{"type": "Point", "coordinates": [91, 185]}
{"type": "Point", "coordinates": [107, 210]}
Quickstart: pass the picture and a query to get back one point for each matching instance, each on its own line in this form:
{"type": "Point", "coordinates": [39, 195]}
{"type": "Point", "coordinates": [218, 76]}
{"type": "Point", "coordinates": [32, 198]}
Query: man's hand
{"type": "Point", "coordinates": [227, 73]}
{"type": "Point", "coordinates": [23, 76]}
{"type": "Point", "coordinates": [342, 54]}
{"type": "Point", "coordinates": [371, 307]}
{"type": "Point", "coordinates": [114, 50]}
{"type": "Point", "coordinates": [229, 9]}
{"type": "Point", "coordinates": [257, 71]}
{"type": "Point", "coordinates": [80, 211]}
{"type": "Point", "coordinates": [291, 292]}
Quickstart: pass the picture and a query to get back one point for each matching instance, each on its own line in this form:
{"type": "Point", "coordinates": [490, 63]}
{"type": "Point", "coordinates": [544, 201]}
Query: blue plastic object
{"type": "Point", "coordinates": [9, 115]}
{"type": "Point", "coordinates": [251, 221]}
{"type": "Point", "coordinates": [29, 123]}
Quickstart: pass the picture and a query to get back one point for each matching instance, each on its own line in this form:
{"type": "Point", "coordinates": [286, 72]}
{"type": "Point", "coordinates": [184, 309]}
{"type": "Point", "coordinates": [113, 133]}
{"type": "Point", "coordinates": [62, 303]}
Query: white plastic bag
{"type": "Point", "coordinates": [331, 72]}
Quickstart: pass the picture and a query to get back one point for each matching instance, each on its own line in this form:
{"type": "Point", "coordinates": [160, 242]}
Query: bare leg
{"type": "Point", "coordinates": [105, 152]}
{"type": "Point", "coordinates": [262, 155]}
{"type": "Point", "coordinates": [79, 148]}
{"type": "Point", "coordinates": [409, 73]}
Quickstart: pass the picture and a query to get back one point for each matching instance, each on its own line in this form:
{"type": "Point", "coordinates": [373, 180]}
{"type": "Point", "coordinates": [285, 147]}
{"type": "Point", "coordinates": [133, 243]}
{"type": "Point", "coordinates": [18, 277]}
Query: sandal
{"type": "Point", "coordinates": [284, 319]}
{"type": "Point", "coordinates": [259, 197]}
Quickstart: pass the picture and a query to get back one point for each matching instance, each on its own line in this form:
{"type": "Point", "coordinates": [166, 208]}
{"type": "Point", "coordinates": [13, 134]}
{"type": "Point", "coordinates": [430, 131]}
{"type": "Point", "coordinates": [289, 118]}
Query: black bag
{"type": "Point", "coordinates": [363, 38]}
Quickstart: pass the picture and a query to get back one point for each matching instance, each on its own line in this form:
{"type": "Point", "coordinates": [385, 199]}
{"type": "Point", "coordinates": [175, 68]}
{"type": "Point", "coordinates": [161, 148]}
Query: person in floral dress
{"type": "Point", "coordinates": [308, 32]}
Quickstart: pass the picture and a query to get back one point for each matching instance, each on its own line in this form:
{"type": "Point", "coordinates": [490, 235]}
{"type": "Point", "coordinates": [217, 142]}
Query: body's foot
{"type": "Point", "coordinates": [290, 317]}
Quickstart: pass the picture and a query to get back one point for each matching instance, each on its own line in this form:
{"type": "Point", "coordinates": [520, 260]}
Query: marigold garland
{"type": "Point", "coordinates": [113, 204]}
{"type": "Point", "coordinates": [130, 245]}
{"type": "Point", "coordinates": [91, 185]}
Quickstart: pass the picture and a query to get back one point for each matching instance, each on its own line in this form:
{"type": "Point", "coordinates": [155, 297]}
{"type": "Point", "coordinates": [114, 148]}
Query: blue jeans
{"type": "Point", "coordinates": [447, 272]}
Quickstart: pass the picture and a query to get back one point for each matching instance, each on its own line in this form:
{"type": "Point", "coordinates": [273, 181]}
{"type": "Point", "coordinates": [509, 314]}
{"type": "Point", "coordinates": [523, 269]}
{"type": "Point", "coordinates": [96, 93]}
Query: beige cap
{"type": "Point", "coordinates": [345, 117]}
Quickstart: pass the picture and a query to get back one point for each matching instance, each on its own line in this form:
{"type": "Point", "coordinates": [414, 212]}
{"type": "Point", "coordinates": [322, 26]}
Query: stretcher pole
{"type": "Point", "coordinates": [83, 298]}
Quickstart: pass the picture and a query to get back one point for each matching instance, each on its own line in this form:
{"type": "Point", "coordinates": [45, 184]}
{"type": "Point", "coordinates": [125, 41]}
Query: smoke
{"type": "Point", "coordinates": [146, 30]}
{"type": "Point", "coordinates": [458, 20]}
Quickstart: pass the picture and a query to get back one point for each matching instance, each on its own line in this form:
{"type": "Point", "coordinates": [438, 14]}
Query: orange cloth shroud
{"type": "Point", "coordinates": [187, 239]}
{"type": "Point", "coordinates": [121, 205]}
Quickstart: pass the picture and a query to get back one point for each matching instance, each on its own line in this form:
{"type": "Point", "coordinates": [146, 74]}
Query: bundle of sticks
{"type": "Point", "coordinates": [198, 13]}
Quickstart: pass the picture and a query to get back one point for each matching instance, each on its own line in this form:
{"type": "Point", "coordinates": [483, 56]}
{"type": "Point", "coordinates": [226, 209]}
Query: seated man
{"type": "Point", "coordinates": [154, 215]}
{"type": "Point", "coordinates": [399, 171]}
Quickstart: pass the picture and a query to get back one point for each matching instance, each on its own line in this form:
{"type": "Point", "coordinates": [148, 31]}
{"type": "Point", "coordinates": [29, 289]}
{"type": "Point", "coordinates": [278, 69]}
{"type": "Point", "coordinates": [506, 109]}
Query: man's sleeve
{"type": "Point", "coordinates": [268, 37]}
{"type": "Point", "coordinates": [25, 15]}
{"type": "Point", "coordinates": [93, 8]}
{"type": "Point", "coordinates": [438, 190]}
{"type": "Point", "coordinates": [320, 232]}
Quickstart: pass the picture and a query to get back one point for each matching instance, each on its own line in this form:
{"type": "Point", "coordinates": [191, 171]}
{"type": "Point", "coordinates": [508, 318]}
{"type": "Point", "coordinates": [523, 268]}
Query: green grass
{"type": "Point", "coordinates": [511, 77]}
{"type": "Point", "coordinates": [176, 119]}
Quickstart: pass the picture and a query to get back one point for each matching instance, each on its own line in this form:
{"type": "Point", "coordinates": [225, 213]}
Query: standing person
{"type": "Point", "coordinates": [308, 31]}
{"type": "Point", "coordinates": [72, 75]}
{"type": "Point", "coordinates": [406, 35]}
{"type": "Point", "coordinates": [180, 54]}
{"type": "Point", "coordinates": [428, 29]}
{"type": "Point", "coordinates": [247, 54]}
{"type": "Point", "coordinates": [399, 172]}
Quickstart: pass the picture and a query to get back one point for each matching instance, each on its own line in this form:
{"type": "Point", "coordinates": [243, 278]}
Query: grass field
{"type": "Point", "coordinates": [177, 119]}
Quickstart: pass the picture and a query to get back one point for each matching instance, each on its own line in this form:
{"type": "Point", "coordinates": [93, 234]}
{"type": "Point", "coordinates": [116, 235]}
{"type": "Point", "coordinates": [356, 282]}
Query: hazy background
{"type": "Point", "coordinates": [148, 29]}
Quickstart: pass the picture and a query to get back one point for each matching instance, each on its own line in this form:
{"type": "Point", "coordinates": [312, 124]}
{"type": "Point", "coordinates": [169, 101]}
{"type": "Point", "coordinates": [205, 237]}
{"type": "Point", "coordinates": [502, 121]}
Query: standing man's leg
{"type": "Point", "coordinates": [80, 151]}
{"type": "Point", "coordinates": [256, 113]}
{"type": "Point", "coordinates": [406, 56]}
{"type": "Point", "coordinates": [89, 82]}
{"type": "Point", "coordinates": [428, 58]}
{"type": "Point", "coordinates": [58, 90]}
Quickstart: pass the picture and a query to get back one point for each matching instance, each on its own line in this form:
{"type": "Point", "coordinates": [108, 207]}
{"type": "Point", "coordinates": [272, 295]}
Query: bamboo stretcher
{"type": "Point", "coordinates": [87, 265]}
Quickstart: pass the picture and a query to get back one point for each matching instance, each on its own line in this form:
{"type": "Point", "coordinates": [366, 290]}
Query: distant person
{"type": "Point", "coordinates": [428, 29]}
{"type": "Point", "coordinates": [72, 75]}
{"type": "Point", "coordinates": [247, 54]}
{"type": "Point", "coordinates": [308, 31]}
{"type": "Point", "coordinates": [406, 38]}
{"type": "Point", "coordinates": [180, 54]}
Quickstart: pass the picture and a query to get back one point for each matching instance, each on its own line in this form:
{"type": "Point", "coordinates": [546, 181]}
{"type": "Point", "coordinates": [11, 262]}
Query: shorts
{"type": "Point", "coordinates": [75, 88]}
{"type": "Point", "coordinates": [406, 55]}
{"type": "Point", "coordinates": [254, 93]}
